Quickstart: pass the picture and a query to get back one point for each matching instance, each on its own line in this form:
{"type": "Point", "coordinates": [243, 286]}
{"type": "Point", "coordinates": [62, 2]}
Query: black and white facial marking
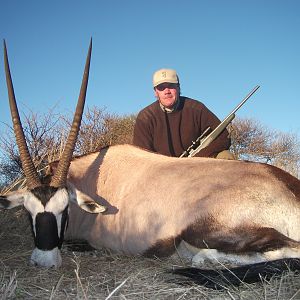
{"type": "Point", "coordinates": [48, 209]}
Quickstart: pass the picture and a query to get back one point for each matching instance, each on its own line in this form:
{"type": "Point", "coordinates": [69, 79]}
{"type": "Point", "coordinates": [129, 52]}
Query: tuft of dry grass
{"type": "Point", "coordinates": [100, 274]}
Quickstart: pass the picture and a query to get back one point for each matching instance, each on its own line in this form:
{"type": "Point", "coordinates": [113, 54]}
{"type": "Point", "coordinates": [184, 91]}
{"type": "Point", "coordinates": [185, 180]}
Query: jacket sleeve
{"type": "Point", "coordinates": [142, 134]}
{"type": "Point", "coordinates": [221, 143]}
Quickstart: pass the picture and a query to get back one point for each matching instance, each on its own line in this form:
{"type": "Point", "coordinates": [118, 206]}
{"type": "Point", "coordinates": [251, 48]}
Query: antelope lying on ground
{"type": "Point", "coordinates": [202, 208]}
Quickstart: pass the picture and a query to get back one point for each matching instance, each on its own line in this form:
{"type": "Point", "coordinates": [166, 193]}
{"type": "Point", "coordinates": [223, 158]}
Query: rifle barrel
{"type": "Point", "coordinates": [216, 132]}
{"type": "Point", "coordinates": [245, 99]}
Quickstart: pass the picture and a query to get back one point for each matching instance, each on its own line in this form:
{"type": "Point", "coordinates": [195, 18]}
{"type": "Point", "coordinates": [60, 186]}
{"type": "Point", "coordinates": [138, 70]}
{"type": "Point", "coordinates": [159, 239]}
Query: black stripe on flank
{"type": "Point", "coordinates": [163, 248]}
{"type": "Point", "coordinates": [208, 233]}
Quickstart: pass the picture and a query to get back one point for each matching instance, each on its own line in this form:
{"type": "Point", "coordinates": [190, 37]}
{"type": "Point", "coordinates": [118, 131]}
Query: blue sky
{"type": "Point", "coordinates": [221, 49]}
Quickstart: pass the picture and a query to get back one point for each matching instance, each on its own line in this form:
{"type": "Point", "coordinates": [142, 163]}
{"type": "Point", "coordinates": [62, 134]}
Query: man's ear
{"type": "Point", "coordinates": [84, 201]}
{"type": "Point", "coordinates": [12, 199]}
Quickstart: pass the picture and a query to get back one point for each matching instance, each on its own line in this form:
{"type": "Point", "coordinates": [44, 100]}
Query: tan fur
{"type": "Point", "coordinates": [151, 197]}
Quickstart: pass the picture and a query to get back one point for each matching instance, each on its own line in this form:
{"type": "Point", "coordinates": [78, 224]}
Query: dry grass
{"type": "Point", "coordinates": [99, 274]}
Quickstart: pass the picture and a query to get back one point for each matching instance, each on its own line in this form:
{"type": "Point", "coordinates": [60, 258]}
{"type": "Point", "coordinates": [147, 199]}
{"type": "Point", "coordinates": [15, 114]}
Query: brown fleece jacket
{"type": "Point", "coordinates": [172, 133]}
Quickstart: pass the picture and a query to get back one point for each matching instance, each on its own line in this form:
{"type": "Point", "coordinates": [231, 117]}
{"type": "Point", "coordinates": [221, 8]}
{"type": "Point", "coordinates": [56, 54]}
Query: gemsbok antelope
{"type": "Point", "coordinates": [141, 203]}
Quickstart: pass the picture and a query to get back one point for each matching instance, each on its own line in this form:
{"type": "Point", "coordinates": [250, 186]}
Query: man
{"type": "Point", "coordinates": [169, 125]}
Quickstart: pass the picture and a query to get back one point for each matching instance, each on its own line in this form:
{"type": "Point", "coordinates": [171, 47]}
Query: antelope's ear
{"type": "Point", "coordinates": [84, 201]}
{"type": "Point", "coordinates": [12, 199]}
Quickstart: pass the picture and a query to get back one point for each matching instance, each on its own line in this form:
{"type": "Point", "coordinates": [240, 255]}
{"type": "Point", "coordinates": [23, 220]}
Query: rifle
{"type": "Point", "coordinates": [204, 140]}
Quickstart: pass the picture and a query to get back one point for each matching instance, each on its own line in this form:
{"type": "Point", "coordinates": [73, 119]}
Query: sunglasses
{"type": "Point", "coordinates": [166, 85]}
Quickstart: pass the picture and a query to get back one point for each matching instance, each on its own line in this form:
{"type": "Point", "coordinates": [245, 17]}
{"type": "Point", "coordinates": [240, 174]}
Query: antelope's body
{"type": "Point", "coordinates": [137, 202]}
{"type": "Point", "coordinates": [154, 202]}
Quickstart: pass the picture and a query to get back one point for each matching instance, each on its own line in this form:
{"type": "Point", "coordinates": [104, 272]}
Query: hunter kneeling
{"type": "Point", "coordinates": [169, 125]}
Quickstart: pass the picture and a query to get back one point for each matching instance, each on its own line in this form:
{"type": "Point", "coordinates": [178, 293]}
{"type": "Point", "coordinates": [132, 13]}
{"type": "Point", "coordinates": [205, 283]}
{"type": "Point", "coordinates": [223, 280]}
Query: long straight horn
{"type": "Point", "coordinates": [60, 176]}
{"type": "Point", "coordinates": [29, 169]}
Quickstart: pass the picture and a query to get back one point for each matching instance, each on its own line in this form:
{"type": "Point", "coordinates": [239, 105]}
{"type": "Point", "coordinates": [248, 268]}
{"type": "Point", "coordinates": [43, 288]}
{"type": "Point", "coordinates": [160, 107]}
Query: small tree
{"type": "Point", "coordinates": [100, 129]}
{"type": "Point", "coordinates": [255, 142]}
{"type": "Point", "coordinates": [42, 141]}
{"type": "Point", "coordinates": [46, 135]}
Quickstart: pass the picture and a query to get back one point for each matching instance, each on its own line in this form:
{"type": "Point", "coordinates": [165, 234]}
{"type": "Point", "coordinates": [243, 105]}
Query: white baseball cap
{"type": "Point", "coordinates": [165, 75]}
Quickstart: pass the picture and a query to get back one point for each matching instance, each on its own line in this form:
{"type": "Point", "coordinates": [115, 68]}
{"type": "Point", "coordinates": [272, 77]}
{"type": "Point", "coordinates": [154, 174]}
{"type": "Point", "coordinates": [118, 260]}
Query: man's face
{"type": "Point", "coordinates": [167, 94]}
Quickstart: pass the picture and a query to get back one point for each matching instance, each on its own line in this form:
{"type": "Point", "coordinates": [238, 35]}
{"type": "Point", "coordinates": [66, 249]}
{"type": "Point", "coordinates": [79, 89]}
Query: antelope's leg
{"type": "Point", "coordinates": [241, 246]}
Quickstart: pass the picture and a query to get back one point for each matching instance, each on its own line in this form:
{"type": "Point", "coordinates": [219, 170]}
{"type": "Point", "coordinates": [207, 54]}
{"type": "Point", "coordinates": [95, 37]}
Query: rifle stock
{"type": "Point", "coordinates": [204, 140]}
